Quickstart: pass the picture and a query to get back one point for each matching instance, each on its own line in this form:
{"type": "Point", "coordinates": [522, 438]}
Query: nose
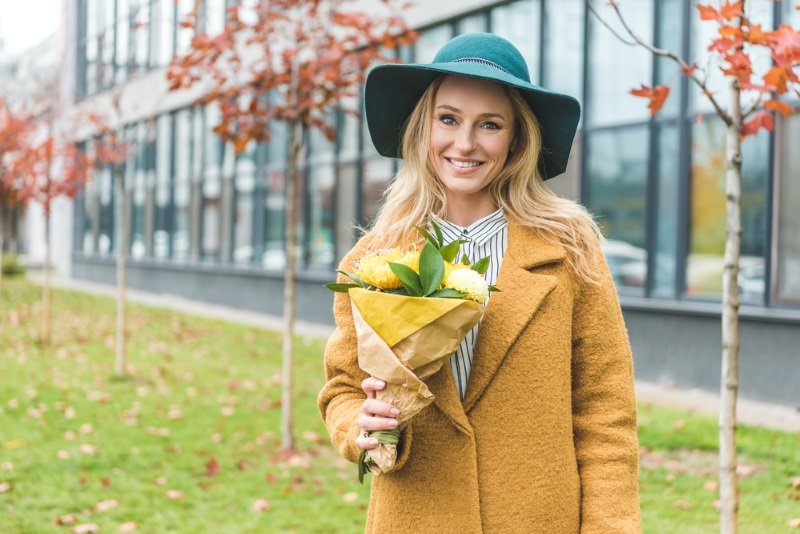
{"type": "Point", "coordinates": [464, 140]}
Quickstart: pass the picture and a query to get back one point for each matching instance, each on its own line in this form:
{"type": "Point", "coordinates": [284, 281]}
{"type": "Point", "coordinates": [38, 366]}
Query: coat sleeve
{"type": "Point", "coordinates": [604, 409]}
{"type": "Point", "coordinates": [340, 399]}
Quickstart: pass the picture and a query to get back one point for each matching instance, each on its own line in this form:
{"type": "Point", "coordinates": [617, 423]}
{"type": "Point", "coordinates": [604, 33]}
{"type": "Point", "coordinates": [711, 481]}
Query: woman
{"type": "Point", "coordinates": [533, 428]}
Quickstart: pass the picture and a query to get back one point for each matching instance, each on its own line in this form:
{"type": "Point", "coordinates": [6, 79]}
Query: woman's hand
{"type": "Point", "coordinates": [375, 415]}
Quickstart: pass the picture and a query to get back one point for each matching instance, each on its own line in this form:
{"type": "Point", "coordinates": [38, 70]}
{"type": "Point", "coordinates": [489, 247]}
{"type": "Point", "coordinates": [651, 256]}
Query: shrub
{"type": "Point", "coordinates": [12, 266]}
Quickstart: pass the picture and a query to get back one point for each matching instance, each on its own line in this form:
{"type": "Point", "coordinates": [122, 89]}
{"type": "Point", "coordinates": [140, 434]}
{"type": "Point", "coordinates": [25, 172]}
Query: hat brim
{"type": "Point", "coordinates": [392, 91]}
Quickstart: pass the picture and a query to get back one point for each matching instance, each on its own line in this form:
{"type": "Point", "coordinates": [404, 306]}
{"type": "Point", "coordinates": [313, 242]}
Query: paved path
{"type": "Point", "coordinates": [749, 412]}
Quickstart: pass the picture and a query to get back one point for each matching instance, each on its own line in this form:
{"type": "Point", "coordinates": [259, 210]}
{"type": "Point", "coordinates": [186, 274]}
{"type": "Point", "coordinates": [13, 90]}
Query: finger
{"type": "Point", "coordinates": [376, 407]}
{"type": "Point", "coordinates": [371, 384]}
{"type": "Point", "coordinates": [365, 443]}
{"type": "Point", "coordinates": [369, 423]}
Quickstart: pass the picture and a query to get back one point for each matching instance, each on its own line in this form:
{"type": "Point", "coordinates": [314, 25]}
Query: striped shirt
{"type": "Point", "coordinates": [486, 237]}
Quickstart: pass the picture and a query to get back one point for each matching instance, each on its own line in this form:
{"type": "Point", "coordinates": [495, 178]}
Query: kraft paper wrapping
{"type": "Point", "coordinates": [422, 333]}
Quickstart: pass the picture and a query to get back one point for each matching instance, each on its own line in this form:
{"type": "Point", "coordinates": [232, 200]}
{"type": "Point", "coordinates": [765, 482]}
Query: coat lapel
{"type": "Point", "coordinates": [512, 308]}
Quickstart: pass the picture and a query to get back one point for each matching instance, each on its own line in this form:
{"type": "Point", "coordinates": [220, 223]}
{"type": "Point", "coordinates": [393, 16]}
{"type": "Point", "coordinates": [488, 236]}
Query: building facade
{"type": "Point", "coordinates": [209, 225]}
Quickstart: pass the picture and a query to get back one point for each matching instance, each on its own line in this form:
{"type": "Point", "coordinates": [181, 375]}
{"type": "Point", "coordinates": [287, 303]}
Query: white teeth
{"type": "Point", "coordinates": [465, 164]}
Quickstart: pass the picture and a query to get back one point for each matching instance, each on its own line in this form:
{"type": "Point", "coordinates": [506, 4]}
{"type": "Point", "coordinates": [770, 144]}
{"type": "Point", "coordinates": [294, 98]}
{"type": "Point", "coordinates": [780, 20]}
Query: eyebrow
{"type": "Point", "coordinates": [482, 115]}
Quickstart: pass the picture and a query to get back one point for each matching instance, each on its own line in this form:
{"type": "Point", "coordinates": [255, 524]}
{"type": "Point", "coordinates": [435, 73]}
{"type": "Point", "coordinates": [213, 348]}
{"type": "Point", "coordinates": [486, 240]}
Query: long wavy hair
{"type": "Point", "coordinates": [416, 192]}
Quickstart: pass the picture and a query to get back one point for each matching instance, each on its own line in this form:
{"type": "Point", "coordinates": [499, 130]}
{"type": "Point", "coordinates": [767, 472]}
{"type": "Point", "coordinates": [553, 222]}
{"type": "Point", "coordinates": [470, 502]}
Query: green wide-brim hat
{"type": "Point", "coordinates": [392, 91]}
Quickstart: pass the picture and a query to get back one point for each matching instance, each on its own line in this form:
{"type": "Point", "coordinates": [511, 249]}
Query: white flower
{"type": "Point", "coordinates": [469, 282]}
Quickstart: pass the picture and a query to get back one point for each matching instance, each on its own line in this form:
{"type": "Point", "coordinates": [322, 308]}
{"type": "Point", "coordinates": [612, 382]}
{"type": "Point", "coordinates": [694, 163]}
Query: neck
{"type": "Point", "coordinates": [465, 210]}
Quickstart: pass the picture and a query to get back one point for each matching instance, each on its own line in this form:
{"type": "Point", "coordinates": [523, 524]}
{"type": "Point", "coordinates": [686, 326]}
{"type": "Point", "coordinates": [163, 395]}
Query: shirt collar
{"type": "Point", "coordinates": [478, 232]}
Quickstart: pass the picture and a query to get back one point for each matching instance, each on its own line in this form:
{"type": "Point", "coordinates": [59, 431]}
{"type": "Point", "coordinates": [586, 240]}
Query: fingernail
{"type": "Point", "coordinates": [380, 383]}
{"type": "Point", "coordinates": [372, 442]}
{"type": "Point", "coordinates": [392, 423]}
{"type": "Point", "coordinates": [394, 412]}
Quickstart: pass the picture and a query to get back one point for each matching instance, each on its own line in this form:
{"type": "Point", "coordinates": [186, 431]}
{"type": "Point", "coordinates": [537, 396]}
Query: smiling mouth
{"type": "Point", "coordinates": [464, 164]}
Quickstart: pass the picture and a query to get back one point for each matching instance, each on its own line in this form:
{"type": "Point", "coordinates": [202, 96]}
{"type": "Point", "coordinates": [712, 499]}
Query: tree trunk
{"type": "Point", "coordinates": [45, 331]}
{"type": "Point", "coordinates": [122, 246]}
{"type": "Point", "coordinates": [729, 383]}
{"type": "Point", "coordinates": [295, 139]}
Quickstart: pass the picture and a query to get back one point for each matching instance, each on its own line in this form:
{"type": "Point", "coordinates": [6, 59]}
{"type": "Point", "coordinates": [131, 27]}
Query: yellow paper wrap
{"type": "Point", "coordinates": [403, 340]}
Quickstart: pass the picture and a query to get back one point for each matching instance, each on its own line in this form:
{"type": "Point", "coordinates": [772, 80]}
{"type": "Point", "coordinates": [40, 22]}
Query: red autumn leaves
{"type": "Point", "coordinates": [736, 30]}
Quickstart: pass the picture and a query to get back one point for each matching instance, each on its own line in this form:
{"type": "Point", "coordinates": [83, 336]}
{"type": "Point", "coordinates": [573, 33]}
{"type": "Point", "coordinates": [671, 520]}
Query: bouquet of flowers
{"type": "Point", "coordinates": [411, 310]}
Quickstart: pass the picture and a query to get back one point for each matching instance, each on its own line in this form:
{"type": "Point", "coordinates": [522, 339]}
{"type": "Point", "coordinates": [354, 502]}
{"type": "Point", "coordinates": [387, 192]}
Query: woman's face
{"type": "Point", "coordinates": [471, 135]}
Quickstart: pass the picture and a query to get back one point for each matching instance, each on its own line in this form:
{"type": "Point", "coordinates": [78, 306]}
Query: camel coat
{"type": "Point", "coordinates": [545, 441]}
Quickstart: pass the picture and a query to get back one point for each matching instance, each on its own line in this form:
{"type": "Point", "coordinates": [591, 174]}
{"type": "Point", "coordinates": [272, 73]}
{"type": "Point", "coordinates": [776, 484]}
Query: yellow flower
{"type": "Point", "coordinates": [449, 268]}
{"type": "Point", "coordinates": [374, 268]}
{"type": "Point", "coordinates": [469, 282]}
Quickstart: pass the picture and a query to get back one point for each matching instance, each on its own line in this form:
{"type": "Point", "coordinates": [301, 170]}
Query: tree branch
{"type": "Point", "coordinates": [664, 53]}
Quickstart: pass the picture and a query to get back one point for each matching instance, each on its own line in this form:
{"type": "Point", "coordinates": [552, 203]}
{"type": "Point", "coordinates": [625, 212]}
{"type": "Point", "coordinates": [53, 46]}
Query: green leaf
{"type": "Point", "coordinates": [431, 269]}
{"type": "Point", "coordinates": [450, 250]}
{"type": "Point", "coordinates": [439, 236]}
{"type": "Point", "coordinates": [428, 236]}
{"type": "Point", "coordinates": [465, 260]}
{"type": "Point", "coordinates": [408, 278]}
{"type": "Point", "coordinates": [482, 265]}
{"type": "Point", "coordinates": [355, 278]}
{"type": "Point", "coordinates": [448, 292]}
{"type": "Point", "coordinates": [493, 288]}
{"type": "Point", "coordinates": [341, 288]}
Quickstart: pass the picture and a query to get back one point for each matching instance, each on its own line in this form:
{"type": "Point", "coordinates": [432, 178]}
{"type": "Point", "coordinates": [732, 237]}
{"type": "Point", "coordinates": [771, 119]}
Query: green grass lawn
{"type": "Point", "coordinates": [190, 442]}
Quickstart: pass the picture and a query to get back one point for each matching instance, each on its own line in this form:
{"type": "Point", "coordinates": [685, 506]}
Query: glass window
{"type": "Point", "coordinates": [792, 13]}
{"type": "Point", "coordinates": [666, 208]}
{"type": "Point", "coordinates": [788, 216]}
{"type": "Point", "coordinates": [212, 187]}
{"type": "Point", "coordinates": [182, 185]}
{"type": "Point", "coordinates": [707, 216]}
{"type": "Point", "coordinates": [430, 41]}
{"type": "Point", "coordinates": [473, 23]}
{"type": "Point", "coordinates": [138, 177]}
{"type": "Point", "coordinates": [243, 214]}
{"type": "Point", "coordinates": [122, 56]}
{"type": "Point", "coordinates": [610, 78]}
{"type": "Point", "coordinates": [214, 16]}
{"type": "Point", "coordinates": [563, 46]}
{"type": "Point", "coordinates": [319, 205]}
{"type": "Point", "coordinates": [274, 181]}
{"type": "Point", "coordinates": [163, 32]}
{"type": "Point", "coordinates": [92, 52]}
{"type": "Point", "coordinates": [140, 35]}
{"type": "Point", "coordinates": [106, 45]}
{"type": "Point", "coordinates": [106, 238]}
{"type": "Point", "coordinates": [616, 166]}
{"type": "Point", "coordinates": [519, 22]}
{"type": "Point", "coordinates": [91, 220]}
{"type": "Point", "coordinates": [161, 233]}
{"type": "Point", "coordinates": [183, 39]}
{"type": "Point", "coordinates": [669, 17]}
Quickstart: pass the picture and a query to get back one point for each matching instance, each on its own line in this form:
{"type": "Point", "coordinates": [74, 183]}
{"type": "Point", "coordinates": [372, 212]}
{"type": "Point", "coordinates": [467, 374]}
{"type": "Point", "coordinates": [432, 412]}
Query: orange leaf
{"type": "Point", "coordinates": [709, 13]}
{"type": "Point", "coordinates": [731, 10]}
{"type": "Point", "coordinates": [776, 77]}
{"type": "Point", "coordinates": [739, 66]}
{"type": "Point", "coordinates": [688, 70]}
{"type": "Point", "coordinates": [657, 96]}
{"type": "Point", "coordinates": [212, 467]}
{"type": "Point", "coordinates": [781, 107]}
{"type": "Point", "coordinates": [730, 32]}
{"type": "Point", "coordinates": [755, 35]}
{"type": "Point", "coordinates": [762, 119]}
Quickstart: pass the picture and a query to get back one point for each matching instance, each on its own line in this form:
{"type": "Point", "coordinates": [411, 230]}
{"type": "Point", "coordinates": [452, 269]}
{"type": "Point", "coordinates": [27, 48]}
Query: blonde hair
{"type": "Point", "coordinates": [519, 189]}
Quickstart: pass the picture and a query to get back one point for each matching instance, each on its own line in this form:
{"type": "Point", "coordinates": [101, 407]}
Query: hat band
{"type": "Point", "coordinates": [482, 62]}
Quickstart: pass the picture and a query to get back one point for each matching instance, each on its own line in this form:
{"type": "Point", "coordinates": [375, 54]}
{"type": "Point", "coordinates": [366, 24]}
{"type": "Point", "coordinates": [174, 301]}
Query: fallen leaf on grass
{"type": "Point", "coordinates": [261, 505]}
{"type": "Point", "coordinates": [86, 428]}
{"type": "Point", "coordinates": [212, 467]}
{"type": "Point", "coordinates": [66, 519]}
{"type": "Point", "coordinates": [62, 455]}
{"type": "Point", "coordinates": [715, 504]}
{"type": "Point", "coordinates": [795, 483]}
{"type": "Point", "coordinates": [711, 485]}
{"type": "Point", "coordinates": [70, 436]}
{"type": "Point", "coordinates": [5, 486]}
{"type": "Point", "coordinates": [7, 466]}
{"type": "Point", "coordinates": [87, 449]}
{"type": "Point", "coordinates": [128, 527]}
{"type": "Point", "coordinates": [350, 497]}
{"type": "Point", "coordinates": [794, 523]}
{"type": "Point", "coordinates": [86, 528]}
{"type": "Point", "coordinates": [161, 481]}
{"type": "Point", "coordinates": [175, 495]}
{"type": "Point", "coordinates": [104, 506]}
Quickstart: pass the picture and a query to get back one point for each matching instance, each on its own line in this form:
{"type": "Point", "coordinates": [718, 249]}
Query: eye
{"type": "Point", "coordinates": [489, 125]}
{"type": "Point", "coordinates": [447, 120]}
